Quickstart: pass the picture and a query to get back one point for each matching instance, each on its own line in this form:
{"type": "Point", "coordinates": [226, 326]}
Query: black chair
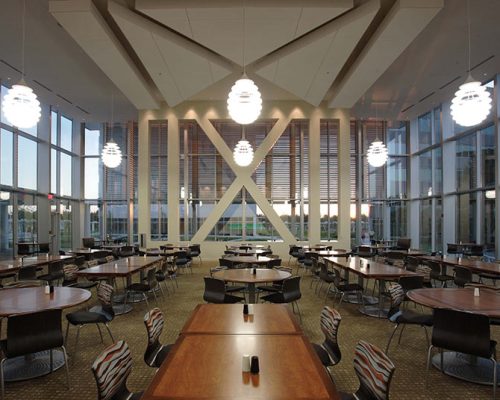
{"type": "Point", "coordinates": [27, 273]}
{"type": "Point", "coordinates": [162, 274]}
{"type": "Point", "coordinates": [411, 263]}
{"type": "Point", "coordinates": [111, 370]}
{"type": "Point", "coordinates": [155, 352]}
{"type": "Point", "coordinates": [99, 315]}
{"type": "Point", "coordinates": [43, 248]}
{"type": "Point", "coordinates": [195, 251]}
{"type": "Point", "coordinates": [366, 251]}
{"type": "Point", "coordinates": [341, 287]}
{"type": "Point", "coordinates": [55, 272]}
{"type": "Point", "coordinates": [374, 371]}
{"type": "Point", "coordinates": [293, 252]}
{"type": "Point", "coordinates": [462, 276]}
{"type": "Point", "coordinates": [126, 251]}
{"type": "Point", "coordinates": [453, 248]}
{"type": "Point", "coordinates": [329, 351]}
{"type": "Point", "coordinates": [223, 262]}
{"type": "Point", "coordinates": [182, 260]}
{"type": "Point", "coordinates": [402, 244]}
{"type": "Point", "coordinates": [325, 276]}
{"type": "Point", "coordinates": [463, 332]}
{"type": "Point", "coordinates": [436, 273]}
{"type": "Point", "coordinates": [215, 292]}
{"type": "Point", "coordinates": [290, 293]}
{"type": "Point", "coordinates": [403, 317]}
{"type": "Point", "coordinates": [32, 333]}
{"type": "Point", "coordinates": [410, 283]}
{"type": "Point", "coordinates": [142, 288]}
{"type": "Point", "coordinates": [88, 243]}
{"type": "Point", "coordinates": [275, 286]}
{"type": "Point", "coordinates": [24, 249]}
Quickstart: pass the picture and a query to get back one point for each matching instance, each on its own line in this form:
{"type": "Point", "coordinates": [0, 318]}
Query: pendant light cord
{"type": "Point", "coordinates": [244, 36]}
{"type": "Point", "coordinates": [468, 35]}
{"type": "Point", "coordinates": [23, 39]}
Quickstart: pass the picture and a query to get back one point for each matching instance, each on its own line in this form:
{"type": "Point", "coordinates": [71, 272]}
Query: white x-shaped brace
{"type": "Point", "coordinates": [243, 179]}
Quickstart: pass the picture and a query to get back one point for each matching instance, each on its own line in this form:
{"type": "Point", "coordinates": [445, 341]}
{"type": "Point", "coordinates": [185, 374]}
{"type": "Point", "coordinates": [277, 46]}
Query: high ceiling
{"type": "Point", "coordinates": [394, 58]}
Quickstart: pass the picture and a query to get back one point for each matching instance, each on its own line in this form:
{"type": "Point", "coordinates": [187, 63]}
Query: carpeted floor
{"type": "Point", "coordinates": [409, 357]}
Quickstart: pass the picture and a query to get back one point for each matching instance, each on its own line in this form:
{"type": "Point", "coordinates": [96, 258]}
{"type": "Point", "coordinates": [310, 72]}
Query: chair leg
{"type": "Point", "coordinates": [429, 354]}
{"type": "Point", "coordinates": [401, 333]}
{"type": "Point", "coordinates": [100, 333]}
{"type": "Point", "coordinates": [51, 362]}
{"type": "Point", "coordinates": [76, 341]}
{"type": "Point", "coordinates": [109, 331]}
{"type": "Point", "coordinates": [146, 298]}
{"type": "Point", "coordinates": [2, 383]}
{"type": "Point", "coordinates": [67, 332]}
{"type": "Point", "coordinates": [390, 339]}
{"type": "Point", "coordinates": [494, 377]}
{"type": "Point", "coordinates": [66, 365]}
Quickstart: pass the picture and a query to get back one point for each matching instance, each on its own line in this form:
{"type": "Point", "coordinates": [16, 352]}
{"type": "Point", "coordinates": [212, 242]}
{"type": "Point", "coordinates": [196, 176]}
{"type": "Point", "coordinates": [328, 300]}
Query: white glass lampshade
{"type": "Point", "coordinates": [471, 105]}
{"type": "Point", "coordinates": [21, 107]}
{"type": "Point", "coordinates": [111, 155]}
{"type": "Point", "coordinates": [244, 103]}
{"type": "Point", "coordinates": [243, 153]}
{"type": "Point", "coordinates": [4, 195]}
{"type": "Point", "coordinates": [377, 154]}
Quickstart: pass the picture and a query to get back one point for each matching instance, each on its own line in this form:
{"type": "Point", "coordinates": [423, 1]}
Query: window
{"type": "Point", "coordinates": [329, 130]}
{"type": "Point", "coordinates": [158, 165]}
{"type": "Point", "coordinates": [6, 157]}
{"type": "Point", "coordinates": [27, 165]}
{"type": "Point", "coordinates": [425, 131]}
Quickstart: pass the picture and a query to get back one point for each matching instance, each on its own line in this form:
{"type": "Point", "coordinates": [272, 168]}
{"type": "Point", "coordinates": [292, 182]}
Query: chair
{"type": "Point", "coordinates": [181, 260]}
{"type": "Point", "coordinates": [453, 248]}
{"type": "Point", "coordinates": [101, 315]}
{"type": "Point", "coordinates": [404, 317]}
{"type": "Point", "coordinates": [402, 244]}
{"type": "Point", "coordinates": [32, 333]}
{"type": "Point", "coordinates": [55, 272]}
{"type": "Point", "coordinates": [366, 251]}
{"type": "Point", "coordinates": [43, 248]}
{"type": "Point", "coordinates": [325, 277]}
{"type": "Point", "coordinates": [225, 263]}
{"type": "Point", "coordinates": [27, 273]}
{"type": "Point", "coordinates": [162, 274]}
{"type": "Point", "coordinates": [436, 273]}
{"type": "Point", "coordinates": [343, 288]}
{"type": "Point", "coordinates": [475, 250]}
{"type": "Point", "coordinates": [329, 351]}
{"type": "Point", "coordinates": [290, 293]}
{"type": "Point", "coordinates": [70, 278]}
{"type": "Point", "coordinates": [195, 251]}
{"type": "Point", "coordinates": [463, 332]}
{"type": "Point", "coordinates": [276, 286]}
{"type": "Point", "coordinates": [155, 352]}
{"type": "Point", "coordinates": [462, 276]}
{"type": "Point", "coordinates": [412, 263]}
{"type": "Point", "coordinates": [143, 288]}
{"type": "Point", "coordinates": [274, 262]}
{"type": "Point", "coordinates": [374, 371]}
{"type": "Point", "coordinates": [111, 370]}
{"type": "Point", "coordinates": [88, 243]}
{"type": "Point", "coordinates": [24, 249]}
{"type": "Point", "coordinates": [126, 251]}
{"type": "Point", "coordinates": [215, 292]}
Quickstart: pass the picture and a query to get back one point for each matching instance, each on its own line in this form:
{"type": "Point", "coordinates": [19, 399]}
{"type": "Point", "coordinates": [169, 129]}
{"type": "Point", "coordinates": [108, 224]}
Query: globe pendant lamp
{"type": "Point", "coordinates": [244, 103]}
{"type": "Point", "coordinates": [243, 152]}
{"type": "Point", "coordinates": [111, 154]}
{"type": "Point", "coordinates": [20, 105]}
{"type": "Point", "coordinates": [377, 154]}
{"type": "Point", "coordinates": [472, 103]}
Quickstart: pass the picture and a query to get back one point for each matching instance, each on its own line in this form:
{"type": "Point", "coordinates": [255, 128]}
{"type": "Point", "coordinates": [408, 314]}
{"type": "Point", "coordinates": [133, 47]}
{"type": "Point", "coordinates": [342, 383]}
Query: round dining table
{"type": "Point", "coordinates": [246, 275]}
{"type": "Point", "coordinates": [459, 365]}
{"type": "Point", "coordinates": [26, 300]}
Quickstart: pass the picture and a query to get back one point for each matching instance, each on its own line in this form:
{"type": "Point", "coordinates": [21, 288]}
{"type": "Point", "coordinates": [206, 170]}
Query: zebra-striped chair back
{"type": "Point", "coordinates": [374, 370]}
{"type": "Point", "coordinates": [330, 322]}
{"type": "Point", "coordinates": [154, 324]}
{"type": "Point", "coordinates": [111, 370]}
{"type": "Point", "coordinates": [70, 271]}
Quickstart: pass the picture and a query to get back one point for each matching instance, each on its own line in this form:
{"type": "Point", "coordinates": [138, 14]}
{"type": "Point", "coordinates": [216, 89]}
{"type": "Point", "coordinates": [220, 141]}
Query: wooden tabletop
{"type": "Point", "coordinates": [329, 253]}
{"type": "Point", "coordinates": [267, 319]}
{"type": "Point", "coordinates": [248, 259]}
{"type": "Point", "coordinates": [245, 275]}
{"type": "Point", "coordinates": [28, 300]}
{"type": "Point", "coordinates": [368, 268]}
{"type": "Point", "coordinates": [249, 252]}
{"type": "Point", "coordinates": [121, 267]}
{"type": "Point", "coordinates": [472, 264]}
{"type": "Point", "coordinates": [462, 299]}
{"type": "Point", "coordinates": [209, 367]}
{"type": "Point", "coordinates": [15, 264]}
{"type": "Point", "coordinates": [87, 251]}
{"type": "Point", "coordinates": [252, 245]}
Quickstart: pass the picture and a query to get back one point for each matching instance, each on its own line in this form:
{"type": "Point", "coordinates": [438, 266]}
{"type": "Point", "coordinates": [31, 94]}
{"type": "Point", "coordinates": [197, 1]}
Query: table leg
{"type": "Point", "coordinates": [376, 311]}
{"type": "Point", "coordinates": [251, 293]}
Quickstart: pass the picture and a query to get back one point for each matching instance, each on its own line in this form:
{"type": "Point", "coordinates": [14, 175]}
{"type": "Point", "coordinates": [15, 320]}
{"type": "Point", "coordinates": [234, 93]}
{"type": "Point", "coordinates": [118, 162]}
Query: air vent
{"type": "Point", "coordinates": [82, 109]}
{"type": "Point", "coordinates": [11, 66]}
{"type": "Point", "coordinates": [450, 82]}
{"type": "Point", "coordinates": [42, 85]}
{"type": "Point", "coordinates": [65, 99]}
{"type": "Point", "coordinates": [407, 108]}
{"type": "Point", "coordinates": [482, 62]}
{"type": "Point", "coordinates": [426, 97]}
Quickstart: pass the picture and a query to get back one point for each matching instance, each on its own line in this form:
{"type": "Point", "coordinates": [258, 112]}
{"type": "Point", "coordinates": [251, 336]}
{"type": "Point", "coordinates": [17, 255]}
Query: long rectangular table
{"type": "Point", "coordinates": [206, 361]}
{"type": "Point", "coordinates": [14, 265]}
{"type": "Point", "coordinates": [267, 319]}
{"type": "Point", "coordinates": [474, 265]}
{"type": "Point", "coordinates": [370, 269]}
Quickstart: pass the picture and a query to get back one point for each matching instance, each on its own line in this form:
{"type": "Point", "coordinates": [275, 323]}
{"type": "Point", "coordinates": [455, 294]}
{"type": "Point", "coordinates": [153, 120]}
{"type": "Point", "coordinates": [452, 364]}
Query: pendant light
{"type": "Point", "coordinates": [377, 152]}
{"type": "Point", "coordinates": [111, 154]}
{"type": "Point", "coordinates": [472, 102]}
{"type": "Point", "coordinates": [20, 104]}
{"type": "Point", "coordinates": [243, 151]}
{"type": "Point", "coordinates": [244, 102]}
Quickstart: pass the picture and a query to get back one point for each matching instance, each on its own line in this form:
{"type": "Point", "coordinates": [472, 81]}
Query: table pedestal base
{"type": "Point", "coordinates": [374, 311]}
{"type": "Point", "coordinates": [466, 367]}
{"type": "Point", "coordinates": [353, 298]}
{"type": "Point", "coordinates": [32, 365]}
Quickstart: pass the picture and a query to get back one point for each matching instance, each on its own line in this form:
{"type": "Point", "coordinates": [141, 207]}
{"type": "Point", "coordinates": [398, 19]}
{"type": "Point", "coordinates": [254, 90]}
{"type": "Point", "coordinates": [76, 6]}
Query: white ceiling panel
{"type": "Point", "coordinates": [225, 29]}
{"type": "Point", "coordinates": [309, 70]}
{"type": "Point", "coordinates": [177, 68]}
{"type": "Point", "coordinates": [86, 26]}
{"type": "Point", "coordinates": [401, 26]}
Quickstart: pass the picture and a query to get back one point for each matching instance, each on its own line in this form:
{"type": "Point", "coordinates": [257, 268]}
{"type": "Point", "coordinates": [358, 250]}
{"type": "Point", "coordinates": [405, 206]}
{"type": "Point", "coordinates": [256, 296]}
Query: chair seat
{"type": "Point", "coordinates": [274, 298]}
{"type": "Point", "coordinates": [87, 317]}
{"type": "Point", "coordinates": [410, 317]}
{"type": "Point", "coordinates": [270, 288]}
{"type": "Point", "coordinates": [230, 299]}
{"type": "Point", "coordinates": [139, 287]}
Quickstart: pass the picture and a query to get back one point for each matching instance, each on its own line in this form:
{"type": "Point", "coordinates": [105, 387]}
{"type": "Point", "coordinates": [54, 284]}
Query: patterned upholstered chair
{"type": "Point", "coordinates": [374, 370]}
{"type": "Point", "coordinates": [329, 351]}
{"type": "Point", "coordinates": [111, 370]}
{"type": "Point", "coordinates": [155, 352]}
{"type": "Point", "coordinates": [71, 278]}
{"type": "Point", "coordinates": [103, 315]}
{"type": "Point", "coordinates": [406, 317]}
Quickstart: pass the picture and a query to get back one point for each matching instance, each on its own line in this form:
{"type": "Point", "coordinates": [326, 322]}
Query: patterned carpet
{"type": "Point", "coordinates": [409, 357]}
